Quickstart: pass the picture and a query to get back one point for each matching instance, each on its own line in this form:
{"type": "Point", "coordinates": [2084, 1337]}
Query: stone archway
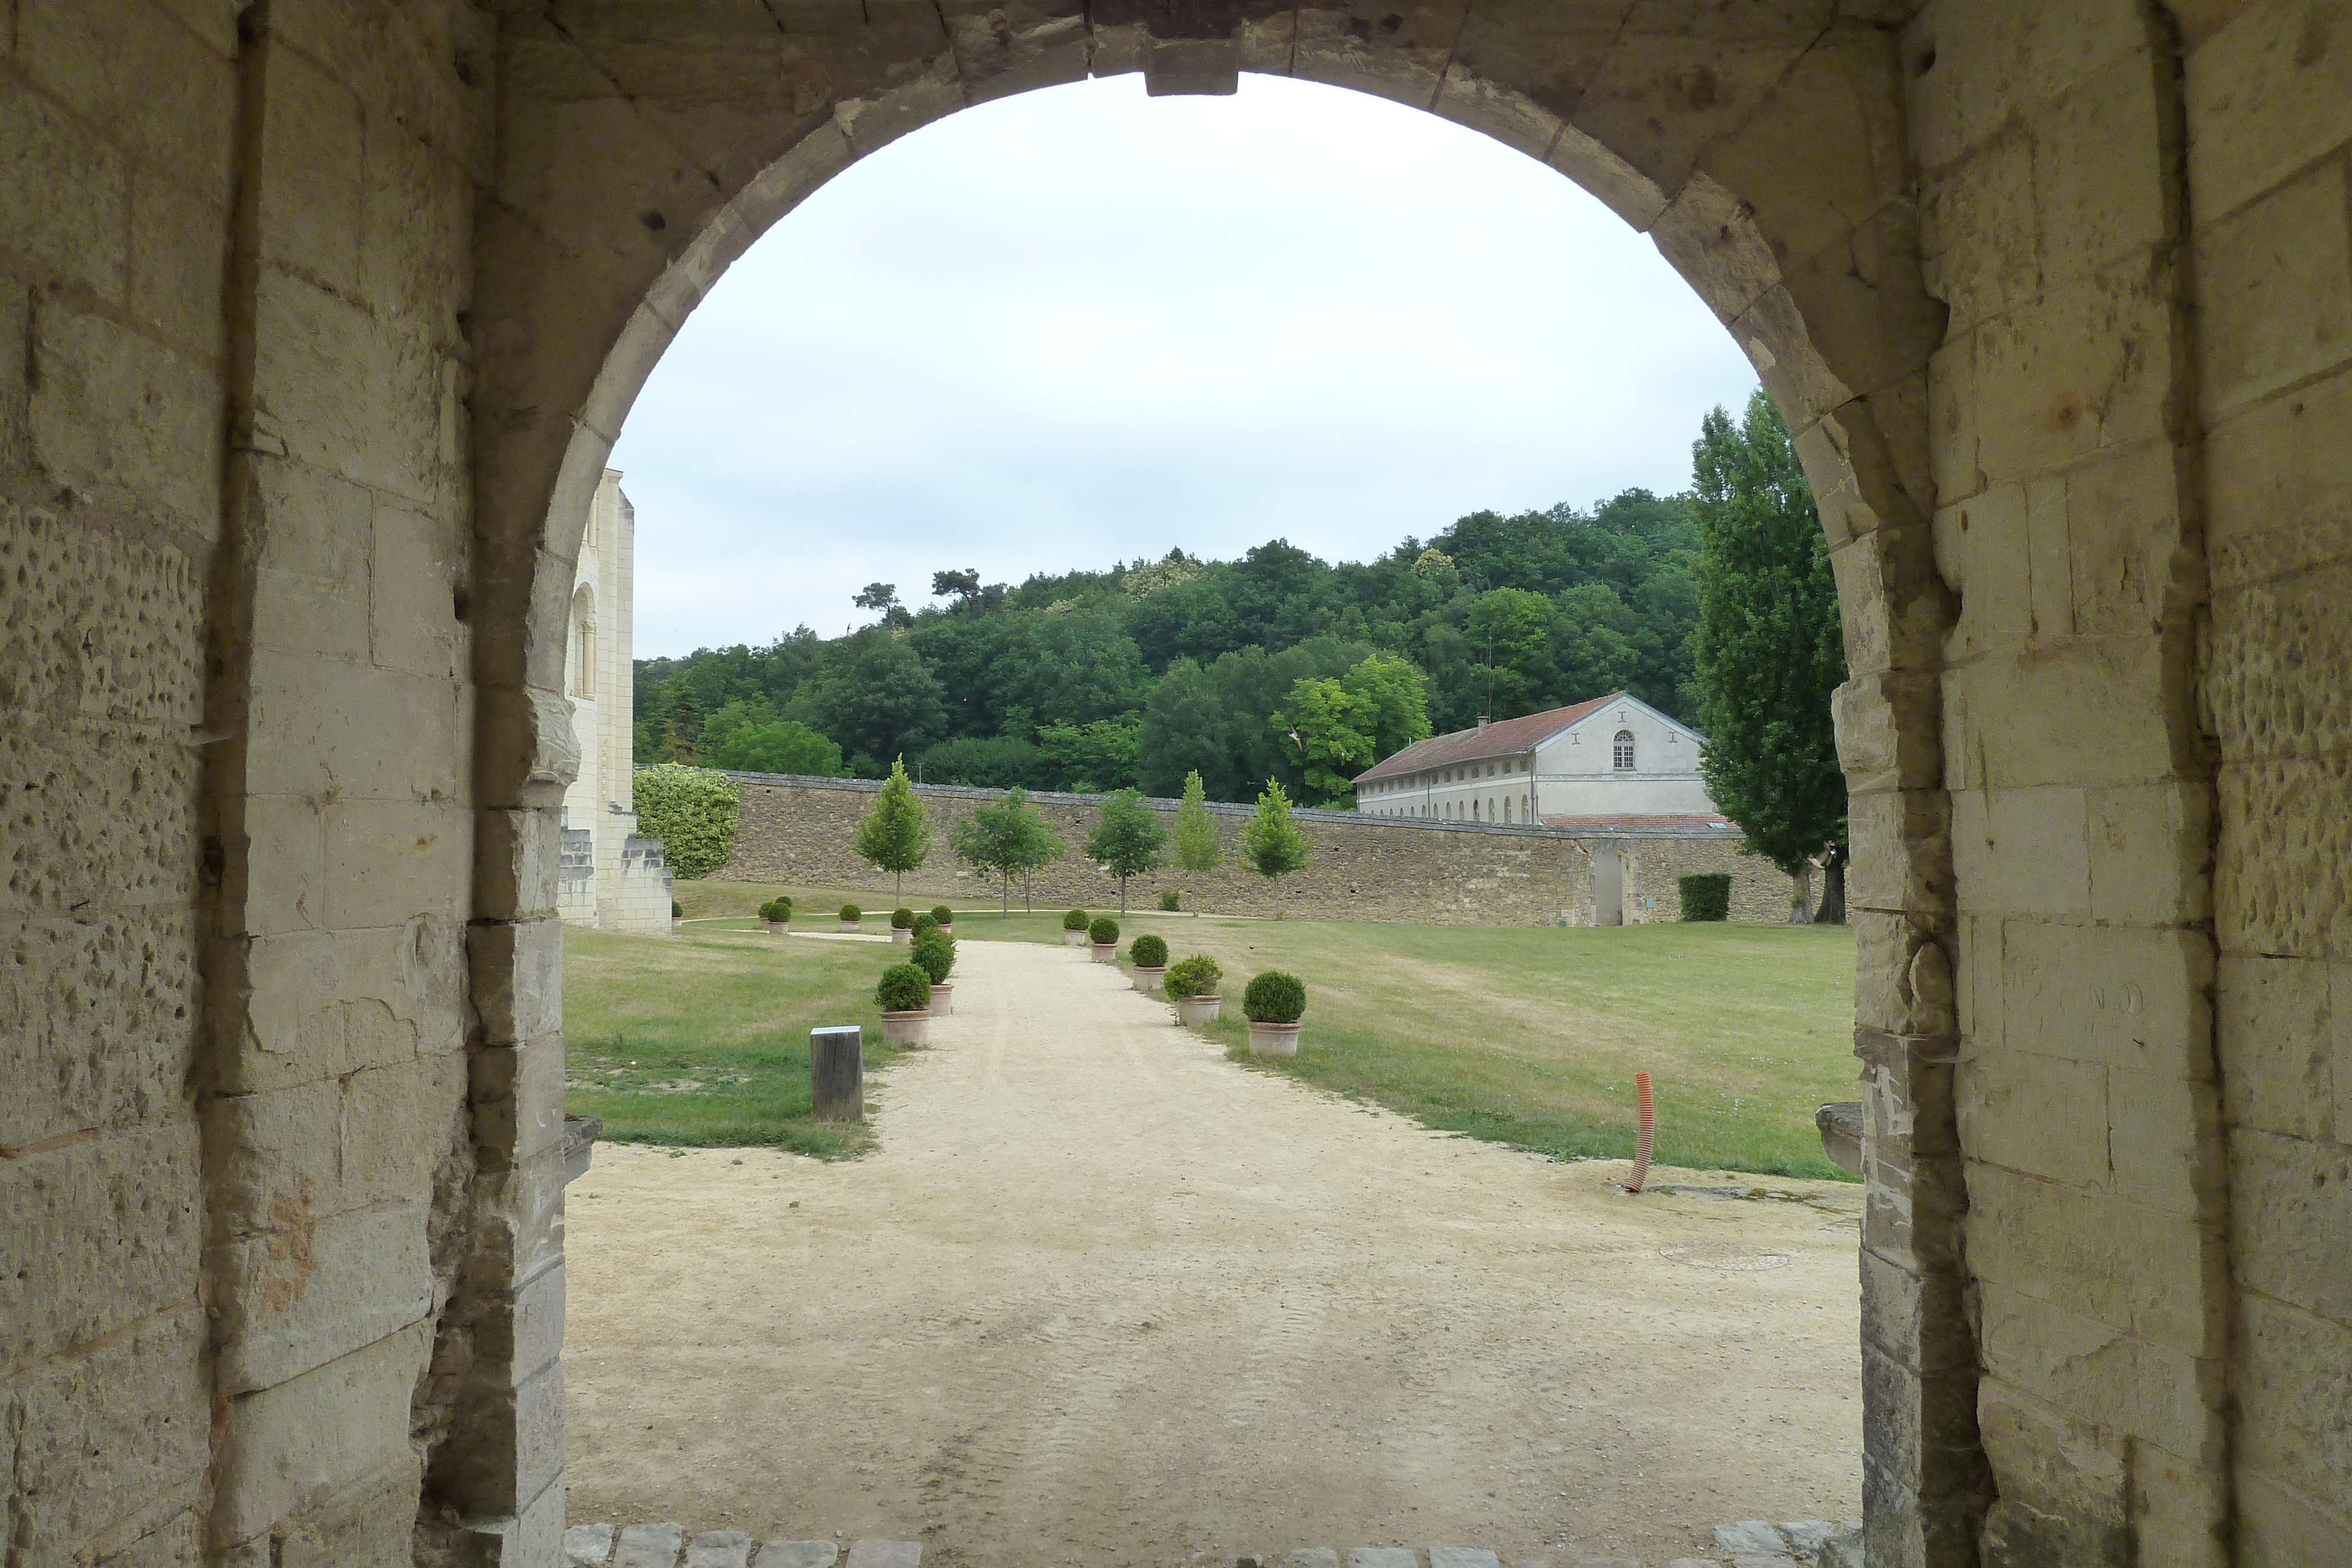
{"type": "Point", "coordinates": [1763, 154]}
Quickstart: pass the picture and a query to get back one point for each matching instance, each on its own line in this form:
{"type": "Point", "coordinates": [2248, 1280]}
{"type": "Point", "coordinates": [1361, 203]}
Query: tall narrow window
{"type": "Point", "coordinates": [583, 643]}
{"type": "Point", "coordinates": [1625, 753]}
{"type": "Point", "coordinates": [1506, 809]}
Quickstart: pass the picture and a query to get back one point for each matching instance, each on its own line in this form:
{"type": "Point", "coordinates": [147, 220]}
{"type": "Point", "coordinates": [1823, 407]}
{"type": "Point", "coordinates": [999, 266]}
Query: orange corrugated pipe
{"type": "Point", "coordinates": [1645, 1137]}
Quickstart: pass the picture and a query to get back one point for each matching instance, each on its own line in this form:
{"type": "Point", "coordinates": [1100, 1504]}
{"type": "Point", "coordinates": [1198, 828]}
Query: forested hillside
{"type": "Point", "coordinates": [1093, 680]}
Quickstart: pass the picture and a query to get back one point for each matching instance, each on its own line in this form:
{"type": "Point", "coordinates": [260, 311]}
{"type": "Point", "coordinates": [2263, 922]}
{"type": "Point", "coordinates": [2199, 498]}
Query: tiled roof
{"type": "Point", "coordinates": [1508, 738]}
{"type": "Point", "coordinates": [1635, 824]}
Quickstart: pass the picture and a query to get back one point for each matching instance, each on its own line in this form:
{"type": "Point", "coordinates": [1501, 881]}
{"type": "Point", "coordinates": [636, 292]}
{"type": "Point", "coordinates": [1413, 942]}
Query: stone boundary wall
{"type": "Point", "coordinates": [799, 828]}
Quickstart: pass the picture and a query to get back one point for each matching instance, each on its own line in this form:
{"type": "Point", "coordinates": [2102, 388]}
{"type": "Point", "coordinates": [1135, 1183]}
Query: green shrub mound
{"type": "Point", "coordinates": [943, 915]}
{"type": "Point", "coordinates": [1275, 996]}
{"type": "Point", "coordinates": [692, 812]}
{"type": "Point", "coordinates": [850, 914]}
{"type": "Point", "coordinates": [1104, 932]}
{"type": "Point", "coordinates": [934, 955]}
{"type": "Point", "coordinates": [677, 910]}
{"type": "Point", "coordinates": [904, 989]}
{"type": "Point", "coordinates": [1171, 901]}
{"type": "Point", "coordinates": [1706, 897]}
{"type": "Point", "coordinates": [924, 925]}
{"type": "Point", "coordinates": [1147, 952]}
{"type": "Point", "coordinates": [902, 919]}
{"type": "Point", "coordinates": [1194, 977]}
{"type": "Point", "coordinates": [1075, 920]}
{"type": "Point", "coordinates": [777, 911]}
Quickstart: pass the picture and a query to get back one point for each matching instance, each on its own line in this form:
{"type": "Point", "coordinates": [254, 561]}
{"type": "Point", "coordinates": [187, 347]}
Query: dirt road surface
{"type": "Point", "coordinates": [1103, 1297]}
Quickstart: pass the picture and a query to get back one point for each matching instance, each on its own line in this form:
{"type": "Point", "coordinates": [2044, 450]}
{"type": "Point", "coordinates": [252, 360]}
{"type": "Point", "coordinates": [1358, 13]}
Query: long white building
{"type": "Point", "coordinates": [611, 878]}
{"type": "Point", "coordinates": [1613, 761]}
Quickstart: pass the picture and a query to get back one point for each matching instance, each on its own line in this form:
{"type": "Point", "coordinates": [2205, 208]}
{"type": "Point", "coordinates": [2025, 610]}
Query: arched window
{"type": "Point", "coordinates": [1506, 811]}
{"type": "Point", "coordinates": [583, 643]}
{"type": "Point", "coordinates": [1624, 751]}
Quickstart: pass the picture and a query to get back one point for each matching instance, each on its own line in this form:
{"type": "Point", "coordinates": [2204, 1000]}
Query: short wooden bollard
{"type": "Point", "coordinates": [837, 1074]}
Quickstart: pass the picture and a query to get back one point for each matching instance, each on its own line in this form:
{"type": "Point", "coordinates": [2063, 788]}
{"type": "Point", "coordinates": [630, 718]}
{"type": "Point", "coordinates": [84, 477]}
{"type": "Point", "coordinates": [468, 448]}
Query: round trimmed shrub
{"type": "Point", "coordinates": [904, 989]}
{"type": "Point", "coordinates": [850, 914]}
{"type": "Point", "coordinates": [1274, 997]}
{"type": "Point", "coordinates": [692, 811]}
{"type": "Point", "coordinates": [1104, 932]}
{"type": "Point", "coordinates": [1171, 901]}
{"type": "Point", "coordinates": [943, 915]}
{"type": "Point", "coordinates": [901, 919]}
{"type": "Point", "coordinates": [779, 910]}
{"type": "Point", "coordinates": [677, 910]}
{"type": "Point", "coordinates": [934, 955]}
{"type": "Point", "coordinates": [924, 925]}
{"type": "Point", "coordinates": [1147, 952]}
{"type": "Point", "coordinates": [1706, 897]}
{"type": "Point", "coordinates": [1075, 920]}
{"type": "Point", "coordinates": [1194, 977]}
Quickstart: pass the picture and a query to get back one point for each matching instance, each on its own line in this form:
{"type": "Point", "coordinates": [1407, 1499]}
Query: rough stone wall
{"type": "Point", "coordinates": [801, 830]}
{"type": "Point", "coordinates": [2268, 98]}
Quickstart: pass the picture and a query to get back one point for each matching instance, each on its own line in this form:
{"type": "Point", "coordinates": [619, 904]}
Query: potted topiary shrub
{"type": "Point", "coordinates": [677, 915]}
{"type": "Point", "coordinates": [1191, 984]}
{"type": "Point", "coordinates": [1104, 934]}
{"type": "Point", "coordinates": [1149, 954]}
{"type": "Point", "coordinates": [934, 952]}
{"type": "Point", "coordinates": [905, 993]}
{"type": "Point", "coordinates": [849, 917]}
{"type": "Point", "coordinates": [943, 915]}
{"type": "Point", "coordinates": [776, 914]}
{"type": "Point", "coordinates": [924, 925]}
{"type": "Point", "coordinates": [1073, 928]}
{"type": "Point", "coordinates": [902, 924]}
{"type": "Point", "coordinates": [1273, 1002]}
{"type": "Point", "coordinates": [1171, 901]}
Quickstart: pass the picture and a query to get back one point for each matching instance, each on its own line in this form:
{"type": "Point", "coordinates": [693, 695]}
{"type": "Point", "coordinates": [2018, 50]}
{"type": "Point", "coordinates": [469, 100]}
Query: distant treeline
{"type": "Point", "coordinates": [1095, 680]}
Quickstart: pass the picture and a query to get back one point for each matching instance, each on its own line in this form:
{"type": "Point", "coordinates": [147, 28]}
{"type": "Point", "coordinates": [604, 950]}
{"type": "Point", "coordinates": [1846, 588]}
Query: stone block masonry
{"type": "Point", "coordinates": [800, 829]}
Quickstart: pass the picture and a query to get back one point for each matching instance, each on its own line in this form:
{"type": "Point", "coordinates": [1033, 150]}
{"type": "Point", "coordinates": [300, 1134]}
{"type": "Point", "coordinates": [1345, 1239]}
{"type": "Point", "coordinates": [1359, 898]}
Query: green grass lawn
{"type": "Point", "coordinates": [702, 1039]}
{"type": "Point", "coordinates": [1524, 1036]}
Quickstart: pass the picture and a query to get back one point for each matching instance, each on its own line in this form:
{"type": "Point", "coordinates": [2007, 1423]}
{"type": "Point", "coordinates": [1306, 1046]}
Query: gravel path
{"type": "Point", "coordinates": [1103, 1297]}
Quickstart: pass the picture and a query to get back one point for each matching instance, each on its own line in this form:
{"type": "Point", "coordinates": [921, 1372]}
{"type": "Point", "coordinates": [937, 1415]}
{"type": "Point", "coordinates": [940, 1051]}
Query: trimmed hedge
{"type": "Point", "coordinates": [1074, 920]}
{"type": "Point", "coordinates": [934, 955]}
{"type": "Point", "coordinates": [1706, 896]}
{"type": "Point", "coordinates": [1275, 996]}
{"type": "Point", "coordinates": [1194, 977]}
{"type": "Point", "coordinates": [924, 925]}
{"type": "Point", "coordinates": [692, 812]}
{"type": "Point", "coordinates": [1147, 952]}
{"type": "Point", "coordinates": [904, 989]}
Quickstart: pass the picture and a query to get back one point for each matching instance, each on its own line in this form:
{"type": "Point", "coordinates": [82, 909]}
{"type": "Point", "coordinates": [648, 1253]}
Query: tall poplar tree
{"type": "Point", "coordinates": [1198, 849]}
{"type": "Point", "coordinates": [1769, 650]}
{"type": "Point", "coordinates": [894, 836]}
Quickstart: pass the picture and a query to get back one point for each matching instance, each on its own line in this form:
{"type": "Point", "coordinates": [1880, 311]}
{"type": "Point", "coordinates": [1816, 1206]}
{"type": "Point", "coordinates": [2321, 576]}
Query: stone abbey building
{"type": "Point", "coordinates": [1613, 760]}
{"type": "Point", "coordinates": [318, 319]}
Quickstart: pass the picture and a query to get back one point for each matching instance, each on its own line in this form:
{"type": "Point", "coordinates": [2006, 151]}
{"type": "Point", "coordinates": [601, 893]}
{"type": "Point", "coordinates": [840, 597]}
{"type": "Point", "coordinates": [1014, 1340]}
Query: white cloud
{"type": "Point", "coordinates": [1082, 324]}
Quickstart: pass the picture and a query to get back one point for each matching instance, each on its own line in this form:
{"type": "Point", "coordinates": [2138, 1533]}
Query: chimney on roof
{"type": "Point", "coordinates": [1484, 719]}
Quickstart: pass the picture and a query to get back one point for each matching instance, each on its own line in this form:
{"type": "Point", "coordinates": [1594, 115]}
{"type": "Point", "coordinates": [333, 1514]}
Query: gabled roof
{"type": "Point", "coordinates": [1508, 738]}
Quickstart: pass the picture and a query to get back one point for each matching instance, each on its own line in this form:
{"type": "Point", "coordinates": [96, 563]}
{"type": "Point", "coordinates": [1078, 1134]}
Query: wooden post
{"type": "Point", "coordinates": [837, 1074]}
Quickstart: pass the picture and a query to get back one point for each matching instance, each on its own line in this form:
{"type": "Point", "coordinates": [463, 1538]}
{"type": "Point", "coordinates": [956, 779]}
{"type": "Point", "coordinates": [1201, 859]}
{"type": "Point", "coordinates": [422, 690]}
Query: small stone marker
{"type": "Point", "coordinates": [1382, 1557]}
{"type": "Point", "coordinates": [783, 1553]}
{"type": "Point", "coordinates": [650, 1546]}
{"type": "Point", "coordinates": [1752, 1536]}
{"type": "Point", "coordinates": [1463, 1557]}
{"type": "Point", "coordinates": [885, 1553]}
{"type": "Point", "coordinates": [1315, 1557]}
{"type": "Point", "coordinates": [587, 1545]}
{"type": "Point", "coordinates": [837, 1093]}
{"type": "Point", "coordinates": [719, 1549]}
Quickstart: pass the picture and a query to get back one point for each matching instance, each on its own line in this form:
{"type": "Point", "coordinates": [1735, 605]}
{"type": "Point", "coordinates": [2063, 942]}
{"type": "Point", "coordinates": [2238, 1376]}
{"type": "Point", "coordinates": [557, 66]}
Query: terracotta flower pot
{"type": "Point", "coordinates": [1194, 1011]}
{"type": "Point", "coordinates": [1147, 980]}
{"type": "Point", "coordinates": [1074, 938]}
{"type": "Point", "coordinates": [677, 921]}
{"type": "Point", "coordinates": [849, 925]}
{"type": "Point", "coordinates": [1272, 1039]}
{"type": "Point", "coordinates": [1106, 952]}
{"type": "Point", "coordinates": [901, 934]}
{"type": "Point", "coordinates": [944, 999]}
{"type": "Point", "coordinates": [905, 1029]}
{"type": "Point", "coordinates": [776, 927]}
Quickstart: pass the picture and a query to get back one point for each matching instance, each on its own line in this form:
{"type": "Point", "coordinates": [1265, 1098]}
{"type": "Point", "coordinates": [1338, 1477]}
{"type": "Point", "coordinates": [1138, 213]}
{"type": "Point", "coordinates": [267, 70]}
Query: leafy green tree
{"type": "Point", "coordinates": [1272, 842]}
{"type": "Point", "coordinates": [1510, 632]}
{"type": "Point", "coordinates": [1090, 757]}
{"type": "Point", "coordinates": [779, 745]}
{"type": "Point", "coordinates": [692, 812]}
{"type": "Point", "coordinates": [990, 762]}
{"type": "Point", "coordinates": [1393, 698]}
{"type": "Point", "coordinates": [1328, 725]}
{"type": "Point", "coordinates": [1006, 838]}
{"type": "Point", "coordinates": [1128, 841]}
{"type": "Point", "coordinates": [894, 836]}
{"type": "Point", "coordinates": [874, 696]}
{"type": "Point", "coordinates": [682, 727]}
{"type": "Point", "coordinates": [1769, 650]}
{"type": "Point", "coordinates": [1198, 848]}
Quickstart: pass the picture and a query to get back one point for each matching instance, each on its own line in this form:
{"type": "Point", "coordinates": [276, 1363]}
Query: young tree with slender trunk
{"type": "Point", "coordinates": [1005, 838]}
{"type": "Point", "coordinates": [895, 836]}
{"type": "Point", "coordinates": [1770, 652]}
{"type": "Point", "coordinates": [1273, 843]}
{"type": "Point", "coordinates": [1130, 840]}
{"type": "Point", "coordinates": [1198, 848]}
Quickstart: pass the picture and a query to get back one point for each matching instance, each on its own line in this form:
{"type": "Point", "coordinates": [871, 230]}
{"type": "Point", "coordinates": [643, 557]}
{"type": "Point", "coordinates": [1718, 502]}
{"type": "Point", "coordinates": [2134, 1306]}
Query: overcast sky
{"type": "Point", "coordinates": [1081, 326]}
